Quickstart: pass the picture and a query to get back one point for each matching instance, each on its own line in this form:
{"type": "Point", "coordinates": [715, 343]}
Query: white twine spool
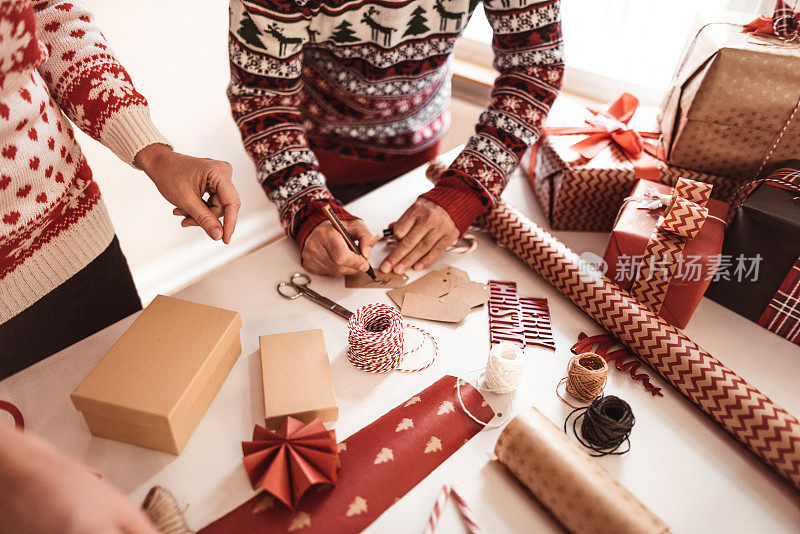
{"type": "Point", "coordinates": [503, 373]}
{"type": "Point", "coordinates": [505, 368]}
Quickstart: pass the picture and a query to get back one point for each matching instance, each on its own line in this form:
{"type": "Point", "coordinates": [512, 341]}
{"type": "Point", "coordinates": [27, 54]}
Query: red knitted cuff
{"type": "Point", "coordinates": [457, 194]}
{"type": "Point", "coordinates": [314, 216]}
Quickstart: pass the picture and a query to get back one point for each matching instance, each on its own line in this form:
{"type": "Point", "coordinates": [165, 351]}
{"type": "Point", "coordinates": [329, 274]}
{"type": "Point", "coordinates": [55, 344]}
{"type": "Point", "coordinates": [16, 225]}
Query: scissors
{"type": "Point", "coordinates": [298, 285]}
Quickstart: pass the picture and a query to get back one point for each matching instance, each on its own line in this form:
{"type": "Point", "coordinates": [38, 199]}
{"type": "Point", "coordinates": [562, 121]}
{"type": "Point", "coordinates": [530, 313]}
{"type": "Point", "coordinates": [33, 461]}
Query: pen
{"type": "Point", "coordinates": [337, 224]}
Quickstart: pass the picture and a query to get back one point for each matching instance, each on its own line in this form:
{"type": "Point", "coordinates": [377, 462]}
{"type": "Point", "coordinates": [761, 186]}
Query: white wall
{"type": "Point", "coordinates": [176, 53]}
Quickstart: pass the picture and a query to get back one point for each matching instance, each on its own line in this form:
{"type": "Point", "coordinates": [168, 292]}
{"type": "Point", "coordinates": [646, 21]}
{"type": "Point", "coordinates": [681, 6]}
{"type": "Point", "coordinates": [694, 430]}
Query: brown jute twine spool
{"type": "Point", "coordinates": [586, 377]}
{"type": "Point", "coordinates": [163, 510]}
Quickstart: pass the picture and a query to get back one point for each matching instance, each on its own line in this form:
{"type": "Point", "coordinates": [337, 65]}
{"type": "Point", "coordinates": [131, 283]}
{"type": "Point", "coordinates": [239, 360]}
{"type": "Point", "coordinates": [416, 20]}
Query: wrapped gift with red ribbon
{"type": "Point", "coordinates": [581, 174]}
{"type": "Point", "coordinates": [665, 246]}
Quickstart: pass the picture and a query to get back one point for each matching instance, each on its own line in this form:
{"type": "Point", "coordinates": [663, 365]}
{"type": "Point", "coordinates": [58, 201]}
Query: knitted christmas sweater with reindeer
{"type": "Point", "coordinates": [55, 62]}
{"type": "Point", "coordinates": [369, 79]}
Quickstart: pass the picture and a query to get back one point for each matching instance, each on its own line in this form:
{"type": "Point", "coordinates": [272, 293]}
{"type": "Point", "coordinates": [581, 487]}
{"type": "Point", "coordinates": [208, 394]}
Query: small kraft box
{"type": "Point", "coordinates": [297, 379]}
{"type": "Point", "coordinates": [156, 382]}
{"type": "Point", "coordinates": [580, 174]}
{"type": "Point", "coordinates": [761, 279]}
{"type": "Point", "coordinates": [665, 246]}
{"type": "Point", "coordinates": [733, 104]}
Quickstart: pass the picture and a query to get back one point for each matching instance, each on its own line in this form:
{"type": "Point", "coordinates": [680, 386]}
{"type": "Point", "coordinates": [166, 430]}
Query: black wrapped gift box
{"type": "Point", "coordinates": [767, 224]}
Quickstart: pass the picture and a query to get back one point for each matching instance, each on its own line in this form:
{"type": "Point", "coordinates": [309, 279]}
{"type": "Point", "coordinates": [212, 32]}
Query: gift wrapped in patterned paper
{"type": "Point", "coordinates": [732, 109]}
{"type": "Point", "coordinates": [665, 246]}
{"type": "Point", "coordinates": [760, 276]}
{"type": "Point", "coordinates": [580, 174]}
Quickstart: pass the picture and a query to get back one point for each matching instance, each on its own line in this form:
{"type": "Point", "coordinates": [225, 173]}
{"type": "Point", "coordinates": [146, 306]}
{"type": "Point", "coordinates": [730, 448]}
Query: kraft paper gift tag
{"type": "Point", "coordinates": [445, 295]}
{"type": "Point", "coordinates": [473, 293]}
{"type": "Point", "coordinates": [442, 282]}
{"type": "Point", "coordinates": [433, 284]}
{"type": "Point", "coordinates": [445, 309]}
{"type": "Point", "coordinates": [382, 281]}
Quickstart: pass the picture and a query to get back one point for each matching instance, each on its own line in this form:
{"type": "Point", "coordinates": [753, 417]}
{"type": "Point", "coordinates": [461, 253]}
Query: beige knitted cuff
{"type": "Point", "coordinates": [128, 131]}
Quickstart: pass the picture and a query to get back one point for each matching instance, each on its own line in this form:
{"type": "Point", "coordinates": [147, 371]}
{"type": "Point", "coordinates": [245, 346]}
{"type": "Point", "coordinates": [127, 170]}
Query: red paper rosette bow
{"type": "Point", "coordinates": [287, 462]}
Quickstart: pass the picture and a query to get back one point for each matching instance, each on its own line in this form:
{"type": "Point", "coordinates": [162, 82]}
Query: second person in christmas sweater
{"type": "Point", "coordinates": [331, 94]}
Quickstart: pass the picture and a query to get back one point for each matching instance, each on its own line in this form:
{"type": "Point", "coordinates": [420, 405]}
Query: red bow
{"type": "Point", "coordinates": [290, 460]}
{"type": "Point", "coordinates": [610, 126]}
{"type": "Point", "coordinates": [784, 23]}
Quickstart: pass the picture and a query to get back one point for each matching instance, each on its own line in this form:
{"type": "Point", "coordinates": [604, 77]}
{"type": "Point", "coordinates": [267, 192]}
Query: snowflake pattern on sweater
{"type": "Point", "coordinates": [370, 80]}
{"type": "Point", "coordinates": [56, 66]}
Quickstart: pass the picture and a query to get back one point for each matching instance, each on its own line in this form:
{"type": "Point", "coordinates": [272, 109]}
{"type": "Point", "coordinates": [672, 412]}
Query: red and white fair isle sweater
{"type": "Point", "coordinates": [54, 64]}
{"type": "Point", "coordinates": [370, 80]}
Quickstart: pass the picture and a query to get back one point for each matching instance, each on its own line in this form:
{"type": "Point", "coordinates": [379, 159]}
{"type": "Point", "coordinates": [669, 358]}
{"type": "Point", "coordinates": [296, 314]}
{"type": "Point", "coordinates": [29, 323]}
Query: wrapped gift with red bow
{"type": "Point", "coordinates": [581, 174]}
{"type": "Point", "coordinates": [665, 246]}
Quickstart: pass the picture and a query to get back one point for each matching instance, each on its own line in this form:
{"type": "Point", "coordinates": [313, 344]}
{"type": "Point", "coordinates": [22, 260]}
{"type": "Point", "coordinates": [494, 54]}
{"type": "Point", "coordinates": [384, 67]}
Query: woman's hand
{"type": "Point", "coordinates": [42, 491]}
{"type": "Point", "coordinates": [325, 251]}
{"type": "Point", "coordinates": [424, 231]}
{"type": "Point", "coordinates": [185, 180]}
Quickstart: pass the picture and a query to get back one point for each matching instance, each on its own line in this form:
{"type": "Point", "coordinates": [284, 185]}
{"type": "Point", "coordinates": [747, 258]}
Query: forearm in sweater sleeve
{"type": "Point", "coordinates": [265, 95]}
{"type": "Point", "coordinates": [529, 58]}
{"type": "Point", "coordinates": [88, 83]}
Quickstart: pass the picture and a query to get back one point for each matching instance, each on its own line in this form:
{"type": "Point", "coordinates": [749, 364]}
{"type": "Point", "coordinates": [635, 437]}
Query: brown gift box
{"type": "Point", "coordinates": [156, 382]}
{"type": "Point", "coordinates": [585, 194]}
{"type": "Point", "coordinates": [731, 97]}
{"type": "Point", "coordinates": [297, 378]}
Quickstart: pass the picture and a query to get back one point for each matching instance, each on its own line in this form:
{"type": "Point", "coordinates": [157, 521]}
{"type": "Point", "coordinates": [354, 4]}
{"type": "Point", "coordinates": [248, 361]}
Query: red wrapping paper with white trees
{"type": "Point", "coordinates": [378, 465]}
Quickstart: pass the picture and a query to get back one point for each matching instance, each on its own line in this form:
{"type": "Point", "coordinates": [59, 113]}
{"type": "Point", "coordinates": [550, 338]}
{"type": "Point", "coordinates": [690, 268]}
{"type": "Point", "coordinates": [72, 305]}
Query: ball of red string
{"type": "Point", "coordinates": [376, 337]}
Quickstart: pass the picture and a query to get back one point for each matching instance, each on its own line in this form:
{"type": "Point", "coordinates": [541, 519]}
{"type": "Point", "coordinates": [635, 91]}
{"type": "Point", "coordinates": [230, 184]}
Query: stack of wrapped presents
{"type": "Point", "coordinates": [699, 193]}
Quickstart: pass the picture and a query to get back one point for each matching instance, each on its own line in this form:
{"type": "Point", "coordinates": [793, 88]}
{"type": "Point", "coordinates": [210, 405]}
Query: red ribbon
{"type": "Point", "coordinates": [784, 23]}
{"type": "Point", "coordinates": [611, 126]}
{"type": "Point", "coordinates": [19, 421]}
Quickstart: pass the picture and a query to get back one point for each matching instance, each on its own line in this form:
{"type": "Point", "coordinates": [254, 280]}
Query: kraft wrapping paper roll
{"type": "Point", "coordinates": [568, 482]}
{"type": "Point", "coordinates": [768, 430]}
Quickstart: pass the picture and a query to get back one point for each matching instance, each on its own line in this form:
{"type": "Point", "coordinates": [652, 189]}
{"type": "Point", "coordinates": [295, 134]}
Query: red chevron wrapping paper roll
{"type": "Point", "coordinates": [768, 430]}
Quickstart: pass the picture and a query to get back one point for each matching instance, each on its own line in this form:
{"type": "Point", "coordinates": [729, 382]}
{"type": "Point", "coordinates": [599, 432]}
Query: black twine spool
{"type": "Point", "coordinates": [606, 425]}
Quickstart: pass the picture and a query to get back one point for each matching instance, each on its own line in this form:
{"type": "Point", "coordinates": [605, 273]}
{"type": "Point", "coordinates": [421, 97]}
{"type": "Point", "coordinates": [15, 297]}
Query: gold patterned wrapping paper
{"type": "Point", "coordinates": [766, 429]}
{"type": "Point", "coordinates": [581, 495]}
{"type": "Point", "coordinates": [730, 99]}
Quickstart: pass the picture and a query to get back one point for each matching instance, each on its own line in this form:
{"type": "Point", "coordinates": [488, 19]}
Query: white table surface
{"type": "Point", "coordinates": [681, 465]}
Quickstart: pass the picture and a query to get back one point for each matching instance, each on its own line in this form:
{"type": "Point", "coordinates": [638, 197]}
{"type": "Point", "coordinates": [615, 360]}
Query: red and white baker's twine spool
{"type": "Point", "coordinates": [463, 509]}
{"type": "Point", "coordinates": [377, 340]}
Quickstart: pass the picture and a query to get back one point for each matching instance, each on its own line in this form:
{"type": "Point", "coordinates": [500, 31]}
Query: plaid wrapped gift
{"type": "Point", "coordinates": [581, 175]}
{"type": "Point", "coordinates": [764, 233]}
{"type": "Point", "coordinates": [782, 315]}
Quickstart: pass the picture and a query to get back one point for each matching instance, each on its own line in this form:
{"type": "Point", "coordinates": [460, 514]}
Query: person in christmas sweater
{"type": "Point", "coordinates": [62, 273]}
{"type": "Point", "coordinates": [331, 94]}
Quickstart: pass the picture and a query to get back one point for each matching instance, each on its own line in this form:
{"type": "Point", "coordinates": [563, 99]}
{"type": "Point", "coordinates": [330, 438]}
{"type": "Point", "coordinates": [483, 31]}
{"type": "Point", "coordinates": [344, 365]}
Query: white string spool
{"type": "Point", "coordinates": [505, 368]}
{"type": "Point", "coordinates": [502, 375]}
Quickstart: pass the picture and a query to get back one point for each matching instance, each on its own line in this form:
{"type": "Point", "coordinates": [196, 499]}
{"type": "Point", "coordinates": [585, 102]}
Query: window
{"type": "Point", "coordinates": [632, 45]}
